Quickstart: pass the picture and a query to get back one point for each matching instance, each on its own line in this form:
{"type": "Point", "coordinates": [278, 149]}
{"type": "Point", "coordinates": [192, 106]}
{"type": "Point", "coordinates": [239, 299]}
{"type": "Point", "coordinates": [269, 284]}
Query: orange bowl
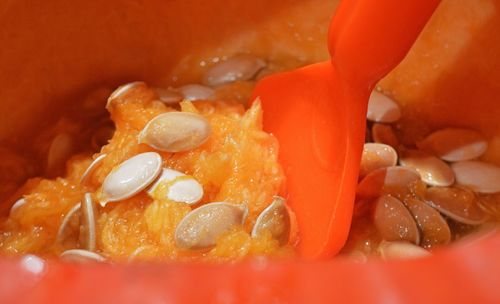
{"type": "Point", "coordinates": [53, 52]}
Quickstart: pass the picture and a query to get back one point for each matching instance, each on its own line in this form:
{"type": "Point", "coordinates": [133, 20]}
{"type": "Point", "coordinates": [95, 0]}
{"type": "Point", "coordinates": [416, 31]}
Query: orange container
{"type": "Point", "coordinates": [52, 52]}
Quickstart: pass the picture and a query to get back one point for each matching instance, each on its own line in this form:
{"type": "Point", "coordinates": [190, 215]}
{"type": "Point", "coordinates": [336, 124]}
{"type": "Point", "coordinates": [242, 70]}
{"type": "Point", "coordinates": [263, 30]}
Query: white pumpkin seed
{"type": "Point", "coordinates": [384, 134]}
{"type": "Point", "coordinates": [239, 67]}
{"type": "Point", "coordinates": [88, 223]}
{"type": "Point", "coordinates": [201, 227]}
{"type": "Point", "coordinates": [169, 96]}
{"type": "Point", "coordinates": [18, 204]}
{"type": "Point", "coordinates": [381, 108]}
{"type": "Point", "coordinates": [33, 264]}
{"type": "Point", "coordinates": [81, 256]}
{"type": "Point", "coordinates": [385, 180]}
{"type": "Point", "coordinates": [434, 228]}
{"type": "Point", "coordinates": [394, 222]}
{"type": "Point", "coordinates": [60, 151]}
{"type": "Point", "coordinates": [175, 132]}
{"type": "Point", "coordinates": [61, 233]}
{"type": "Point", "coordinates": [453, 144]}
{"type": "Point", "coordinates": [433, 171]}
{"type": "Point", "coordinates": [131, 177]}
{"type": "Point", "coordinates": [275, 219]}
{"type": "Point", "coordinates": [376, 156]}
{"type": "Point", "coordinates": [177, 187]}
{"type": "Point", "coordinates": [456, 203]}
{"type": "Point", "coordinates": [90, 169]}
{"type": "Point", "coordinates": [401, 250]}
{"type": "Point", "coordinates": [121, 90]}
{"type": "Point", "coordinates": [479, 176]}
{"type": "Point", "coordinates": [197, 92]}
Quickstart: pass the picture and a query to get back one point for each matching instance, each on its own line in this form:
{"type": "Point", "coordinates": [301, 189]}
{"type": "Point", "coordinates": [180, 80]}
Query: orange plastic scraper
{"type": "Point", "coordinates": [318, 113]}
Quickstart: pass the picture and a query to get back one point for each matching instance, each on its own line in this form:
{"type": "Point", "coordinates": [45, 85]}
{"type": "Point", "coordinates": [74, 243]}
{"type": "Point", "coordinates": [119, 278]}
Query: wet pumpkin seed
{"type": "Point", "coordinates": [376, 156]}
{"type": "Point", "coordinates": [18, 204]}
{"type": "Point", "coordinates": [61, 233]}
{"type": "Point", "coordinates": [394, 222]}
{"type": "Point", "coordinates": [88, 223]}
{"type": "Point", "coordinates": [401, 250]}
{"type": "Point", "coordinates": [90, 169]}
{"type": "Point", "coordinates": [452, 144]}
{"type": "Point", "coordinates": [177, 186]}
{"type": "Point", "coordinates": [433, 171]}
{"type": "Point", "coordinates": [197, 92]}
{"type": "Point", "coordinates": [122, 90]}
{"type": "Point", "coordinates": [386, 180]}
{"type": "Point", "coordinates": [176, 132]}
{"type": "Point", "coordinates": [239, 67]}
{"type": "Point", "coordinates": [434, 228]}
{"type": "Point", "coordinates": [201, 227]}
{"type": "Point", "coordinates": [381, 108]}
{"type": "Point", "coordinates": [456, 203]}
{"type": "Point", "coordinates": [60, 151]}
{"type": "Point", "coordinates": [275, 219]}
{"type": "Point", "coordinates": [131, 177]}
{"type": "Point", "coordinates": [169, 96]}
{"type": "Point", "coordinates": [478, 176]}
{"type": "Point", "coordinates": [81, 256]}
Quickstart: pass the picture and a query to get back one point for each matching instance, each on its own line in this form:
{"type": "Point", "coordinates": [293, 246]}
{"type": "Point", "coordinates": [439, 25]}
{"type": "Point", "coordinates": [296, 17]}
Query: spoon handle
{"type": "Point", "coordinates": [368, 38]}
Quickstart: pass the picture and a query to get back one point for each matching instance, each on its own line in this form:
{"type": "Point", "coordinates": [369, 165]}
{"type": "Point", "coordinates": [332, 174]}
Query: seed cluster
{"type": "Point", "coordinates": [440, 184]}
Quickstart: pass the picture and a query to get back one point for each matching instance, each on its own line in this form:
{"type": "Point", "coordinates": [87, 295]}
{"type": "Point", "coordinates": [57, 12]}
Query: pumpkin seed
{"type": "Point", "coordinates": [433, 171]}
{"type": "Point", "coordinates": [275, 219]}
{"type": "Point", "coordinates": [453, 144]}
{"type": "Point", "coordinates": [434, 228]}
{"type": "Point", "coordinates": [201, 227]}
{"type": "Point", "coordinates": [81, 256]}
{"type": "Point", "coordinates": [90, 169]}
{"type": "Point", "coordinates": [401, 250]}
{"type": "Point", "coordinates": [456, 203]}
{"type": "Point", "coordinates": [18, 204]}
{"type": "Point", "coordinates": [384, 134]}
{"type": "Point", "coordinates": [381, 108]}
{"type": "Point", "coordinates": [385, 180]}
{"type": "Point", "coordinates": [60, 151]}
{"type": "Point", "coordinates": [376, 156]}
{"type": "Point", "coordinates": [33, 264]}
{"type": "Point", "coordinates": [491, 205]}
{"type": "Point", "coordinates": [175, 132]}
{"type": "Point", "coordinates": [61, 233]}
{"type": "Point", "coordinates": [197, 92]}
{"type": "Point", "coordinates": [239, 67]}
{"type": "Point", "coordinates": [121, 90]}
{"type": "Point", "coordinates": [177, 187]}
{"type": "Point", "coordinates": [88, 223]}
{"type": "Point", "coordinates": [131, 177]}
{"type": "Point", "coordinates": [394, 222]}
{"type": "Point", "coordinates": [477, 175]}
{"type": "Point", "coordinates": [169, 96]}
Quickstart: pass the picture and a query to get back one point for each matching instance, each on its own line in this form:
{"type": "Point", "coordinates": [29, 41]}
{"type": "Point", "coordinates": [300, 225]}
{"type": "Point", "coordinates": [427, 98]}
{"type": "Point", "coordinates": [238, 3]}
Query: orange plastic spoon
{"type": "Point", "coordinates": [318, 113]}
